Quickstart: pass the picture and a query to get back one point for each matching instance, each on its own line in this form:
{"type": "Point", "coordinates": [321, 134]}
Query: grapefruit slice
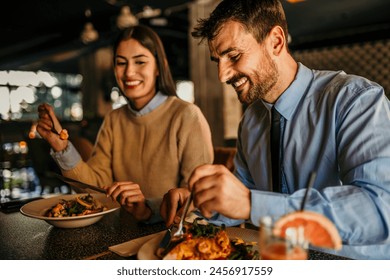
{"type": "Point", "coordinates": [319, 231]}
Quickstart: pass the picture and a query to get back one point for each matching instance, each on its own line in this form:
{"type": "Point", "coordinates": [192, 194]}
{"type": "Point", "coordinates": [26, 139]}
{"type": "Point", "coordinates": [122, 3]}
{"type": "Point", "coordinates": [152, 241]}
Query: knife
{"type": "Point", "coordinates": [78, 184]}
{"type": "Point", "coordinates": [165, 240]}
{"type": "Point", "coordinates": [167, 243]}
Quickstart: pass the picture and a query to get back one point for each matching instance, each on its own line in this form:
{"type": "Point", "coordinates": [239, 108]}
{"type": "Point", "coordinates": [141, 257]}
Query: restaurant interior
{"type": "Point", "coordinates": [58, 52]}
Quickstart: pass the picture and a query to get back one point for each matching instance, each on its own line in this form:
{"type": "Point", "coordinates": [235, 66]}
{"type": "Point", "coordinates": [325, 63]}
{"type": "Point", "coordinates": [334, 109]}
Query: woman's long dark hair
{"type": "Point", "coordinates": [150, 40]}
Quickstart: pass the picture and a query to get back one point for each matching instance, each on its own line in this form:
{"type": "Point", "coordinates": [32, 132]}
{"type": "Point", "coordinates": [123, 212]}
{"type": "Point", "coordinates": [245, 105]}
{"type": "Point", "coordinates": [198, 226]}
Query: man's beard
{"type": "Point", "coordinates": [265, 80]}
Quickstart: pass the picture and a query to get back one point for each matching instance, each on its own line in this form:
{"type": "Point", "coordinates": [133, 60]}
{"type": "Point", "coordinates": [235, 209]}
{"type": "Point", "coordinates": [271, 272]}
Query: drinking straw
{"type": "Point", "coordinates": [309, 186]}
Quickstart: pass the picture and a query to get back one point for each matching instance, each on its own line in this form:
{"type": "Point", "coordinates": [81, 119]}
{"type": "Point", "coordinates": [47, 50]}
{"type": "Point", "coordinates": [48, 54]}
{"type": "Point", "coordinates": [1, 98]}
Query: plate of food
{"type": "Point", "coordinates": [71, 210]}
{"type": "Point", "coordinates": [204, 242]}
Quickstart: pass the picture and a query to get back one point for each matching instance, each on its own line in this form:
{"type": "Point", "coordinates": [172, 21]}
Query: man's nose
{"type": "Point", "coordinates": [224, 72]}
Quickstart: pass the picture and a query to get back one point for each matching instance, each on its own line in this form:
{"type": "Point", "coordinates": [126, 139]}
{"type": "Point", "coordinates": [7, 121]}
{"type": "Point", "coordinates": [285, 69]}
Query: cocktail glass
{"type": "Point", "coordinates": [292, 246]}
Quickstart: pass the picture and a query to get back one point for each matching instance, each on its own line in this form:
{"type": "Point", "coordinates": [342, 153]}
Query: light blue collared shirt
{"type": "Point", "coordinates": [156, 101]}
{"type": "Point", "coordinates": [337, 125]}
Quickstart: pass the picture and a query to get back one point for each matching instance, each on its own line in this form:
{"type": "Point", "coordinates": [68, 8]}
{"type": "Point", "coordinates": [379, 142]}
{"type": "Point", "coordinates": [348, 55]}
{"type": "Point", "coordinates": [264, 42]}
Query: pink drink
{"type": "Point", "coordinates": [279, 251]}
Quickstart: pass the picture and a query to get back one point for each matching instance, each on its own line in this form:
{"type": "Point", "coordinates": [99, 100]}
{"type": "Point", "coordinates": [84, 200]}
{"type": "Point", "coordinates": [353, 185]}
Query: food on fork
{"type": "Point", "coordinates": [319, 231]}
{"type": "Point", "coordinates": [209, 242]}
{"type": "Point", "coordinates": [80, 206]}
{"type": "Point", "coordinates": [64, 134]}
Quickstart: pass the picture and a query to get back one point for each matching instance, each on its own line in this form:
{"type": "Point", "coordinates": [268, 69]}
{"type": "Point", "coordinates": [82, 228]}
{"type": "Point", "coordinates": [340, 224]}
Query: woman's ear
{"type": "Point", "coordinates": [278, 40]}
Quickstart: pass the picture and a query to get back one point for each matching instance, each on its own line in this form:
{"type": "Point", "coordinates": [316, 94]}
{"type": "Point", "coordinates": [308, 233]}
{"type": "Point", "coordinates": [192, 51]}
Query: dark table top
{"type": "Point", "coordinates": [25, 238]}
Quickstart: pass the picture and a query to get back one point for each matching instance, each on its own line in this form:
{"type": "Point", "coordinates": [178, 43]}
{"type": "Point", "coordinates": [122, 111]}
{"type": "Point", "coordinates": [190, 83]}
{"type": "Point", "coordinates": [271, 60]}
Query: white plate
{"type": "Point", "coordinates": [37, 209]}
{"type": "Point", "coordinates": [148, 250]}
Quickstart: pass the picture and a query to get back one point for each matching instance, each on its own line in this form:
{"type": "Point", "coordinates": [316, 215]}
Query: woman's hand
{"type": "Point", "coordinates": [130, 196]}
{"type": "Point", "coordinates": [46, 122]}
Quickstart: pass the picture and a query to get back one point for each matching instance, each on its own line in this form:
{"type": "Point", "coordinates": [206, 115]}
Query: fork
{"type": "Point", "coordinates": [180, 232]}
{"type": "Point", "coordinates": [53, 129]}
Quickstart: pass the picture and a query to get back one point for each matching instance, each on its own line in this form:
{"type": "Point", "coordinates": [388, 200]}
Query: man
{"type": "Point", "coordinates": [333, 124]}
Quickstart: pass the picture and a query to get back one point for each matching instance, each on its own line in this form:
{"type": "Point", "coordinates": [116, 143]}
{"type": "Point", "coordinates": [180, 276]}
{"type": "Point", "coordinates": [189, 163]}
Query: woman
{"type": "Point", "coordinates": [143, 149]}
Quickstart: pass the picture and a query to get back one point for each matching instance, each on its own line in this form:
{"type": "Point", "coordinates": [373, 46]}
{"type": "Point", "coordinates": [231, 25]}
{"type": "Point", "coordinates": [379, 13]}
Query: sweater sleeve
{"type": "Point", "coordinates": [97, 170]}
{"type": "Point", "coordinates": [195, 143]}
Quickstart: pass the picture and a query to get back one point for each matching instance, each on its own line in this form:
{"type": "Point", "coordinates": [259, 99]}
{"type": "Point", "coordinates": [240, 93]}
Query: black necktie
{"type": "Point", "coordinates": [275, 142]}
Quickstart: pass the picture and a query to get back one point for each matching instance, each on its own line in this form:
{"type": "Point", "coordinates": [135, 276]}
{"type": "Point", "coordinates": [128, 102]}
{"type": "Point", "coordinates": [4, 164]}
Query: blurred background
{"type": "Point", "coordinates": [59, 52]}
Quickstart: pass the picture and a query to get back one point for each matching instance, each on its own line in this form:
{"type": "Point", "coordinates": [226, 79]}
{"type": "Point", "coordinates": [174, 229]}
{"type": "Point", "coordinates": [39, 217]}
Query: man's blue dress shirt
{"type": "Point", "coordinates": [338, 126]}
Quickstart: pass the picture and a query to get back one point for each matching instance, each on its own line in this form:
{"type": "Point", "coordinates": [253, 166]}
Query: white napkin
{"type": "Point", "coordinates": [130, 248]}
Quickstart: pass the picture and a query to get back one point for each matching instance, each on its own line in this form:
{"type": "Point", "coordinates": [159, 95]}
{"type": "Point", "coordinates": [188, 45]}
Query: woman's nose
{"type": "Point", "coordinates": [130, 71]}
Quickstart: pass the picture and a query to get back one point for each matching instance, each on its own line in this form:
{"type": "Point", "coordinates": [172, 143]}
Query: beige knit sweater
{"type": "Point", "coordinates": [158, 151]}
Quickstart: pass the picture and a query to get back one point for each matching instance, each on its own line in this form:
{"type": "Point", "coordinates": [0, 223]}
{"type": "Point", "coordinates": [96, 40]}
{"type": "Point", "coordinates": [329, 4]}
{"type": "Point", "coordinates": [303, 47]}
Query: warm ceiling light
{"type": "Point", "coordinates": [126, 18]}
{"type": "Point", "coordinates": [89, 33]}
{"type": "Point", "coordinates": [149, 12]}
{"type": "Point", "coordinates": [294, 1]}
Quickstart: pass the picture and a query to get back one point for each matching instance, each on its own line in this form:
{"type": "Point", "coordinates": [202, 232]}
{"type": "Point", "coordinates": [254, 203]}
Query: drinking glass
{"type": "Point", "coordinates": [274, 247]}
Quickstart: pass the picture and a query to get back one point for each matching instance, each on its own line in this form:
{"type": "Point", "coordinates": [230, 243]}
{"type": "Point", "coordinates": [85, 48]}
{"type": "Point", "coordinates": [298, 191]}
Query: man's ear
{"type": "Point", "coordinates": [278, 40]}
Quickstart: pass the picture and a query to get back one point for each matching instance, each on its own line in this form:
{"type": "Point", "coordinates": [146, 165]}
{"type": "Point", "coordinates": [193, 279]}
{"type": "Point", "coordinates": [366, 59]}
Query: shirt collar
{"type": "Point", "coordinates": [289, 100]}
{"type": "Point", "coordinates": [156, 101]}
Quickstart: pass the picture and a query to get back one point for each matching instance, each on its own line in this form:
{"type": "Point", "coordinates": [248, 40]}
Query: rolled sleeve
{"type": "Point", "coordinates": [68, 158]}
{"type": "Point", "coordinates": [263, 204]}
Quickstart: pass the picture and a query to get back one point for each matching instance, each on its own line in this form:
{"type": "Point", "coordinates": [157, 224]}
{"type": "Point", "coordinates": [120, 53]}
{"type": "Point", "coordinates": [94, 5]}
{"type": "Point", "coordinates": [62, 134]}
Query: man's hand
{"type": "Point", "coordinates": [216, 189]}
{"type": "Point", "coordinates": [172, 205]}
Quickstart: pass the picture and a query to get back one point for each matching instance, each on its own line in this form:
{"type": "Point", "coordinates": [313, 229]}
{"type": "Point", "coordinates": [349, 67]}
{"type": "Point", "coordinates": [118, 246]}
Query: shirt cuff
{"type": "Point", "coordinates": [219, 220]}
{"type": "Point", "coordinates": [154, 205]}
{"type": "Point", "coordinates": [68, 158]}
{"type": "Point", "coordinates": [266, 204]}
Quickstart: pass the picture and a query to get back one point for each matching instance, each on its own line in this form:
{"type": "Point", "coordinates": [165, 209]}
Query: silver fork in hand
{"type": "Point", "coordinates": [180, 232]}
{"type": "Point", "coordinates": [53, 129]}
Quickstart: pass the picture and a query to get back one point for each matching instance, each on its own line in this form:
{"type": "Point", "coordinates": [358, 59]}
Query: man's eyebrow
{"type": "Point", "coordinates": [228, 50]}
{"type": "Point", "coordinates": [214, 59]}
